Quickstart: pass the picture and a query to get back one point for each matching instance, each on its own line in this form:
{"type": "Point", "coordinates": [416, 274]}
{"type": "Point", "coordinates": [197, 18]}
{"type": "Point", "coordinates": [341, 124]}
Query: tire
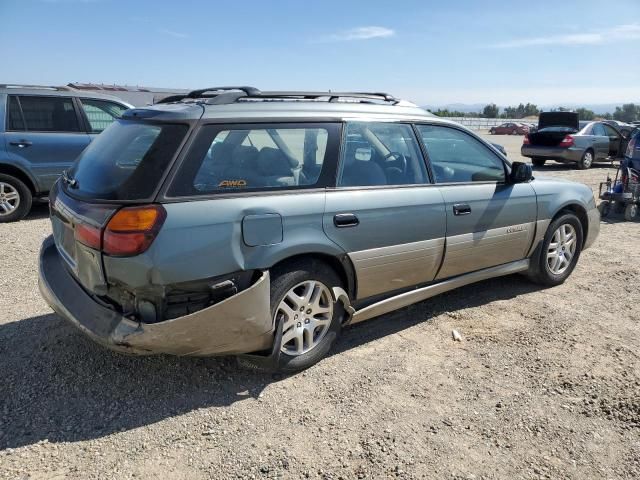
{"type": "Point", "coordinates": [538, 162]}
{"type": "Point", "coordinates": [294, 278]}
{"type": "Point", "coordinates": [604, 208]}
{"type": "Point", "coordinates": [541, 267]}
{"type": "Point", "coordinates": [630, 212]}
{"type": "Point", "coordinates": [514, 132]}
{"type": "Point", "coordinates": [586, 161]}
{"type": "Point", "coordinates": [492, 131]}
{"type": "Point", "coordinates": [15, 199]}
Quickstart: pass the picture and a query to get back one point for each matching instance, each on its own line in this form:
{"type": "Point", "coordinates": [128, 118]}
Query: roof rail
{"type": "Point", "coordinates": [331, 96]}
{"type": "Point", "coordinates": [40, 87]}
{"type": "Point", "coordinates": [228, 95]}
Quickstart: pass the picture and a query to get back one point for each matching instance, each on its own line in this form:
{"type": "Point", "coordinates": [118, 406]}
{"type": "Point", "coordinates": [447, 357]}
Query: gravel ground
{"type": "Point", "coordinates": [544, 384]}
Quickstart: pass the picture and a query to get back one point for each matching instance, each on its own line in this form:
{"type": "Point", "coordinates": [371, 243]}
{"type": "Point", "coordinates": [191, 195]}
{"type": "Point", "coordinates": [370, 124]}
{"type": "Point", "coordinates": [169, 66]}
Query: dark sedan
{"type": "Point", "coordinates": [510, 128]}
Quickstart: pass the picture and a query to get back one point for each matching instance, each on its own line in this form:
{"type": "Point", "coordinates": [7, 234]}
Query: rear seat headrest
{"type": "Point", "coordinates": [272, 162]}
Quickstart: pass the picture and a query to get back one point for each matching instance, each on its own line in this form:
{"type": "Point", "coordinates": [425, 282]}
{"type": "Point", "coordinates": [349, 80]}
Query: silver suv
{"type": "Point", "coordinates": [235, 221]}
{"type": "Point", "coordinates": [42, 132]}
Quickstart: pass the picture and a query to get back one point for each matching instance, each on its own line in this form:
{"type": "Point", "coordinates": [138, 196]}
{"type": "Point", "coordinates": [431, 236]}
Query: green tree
{"type": "Point", "coordinates": [491, 111]}
{"type": "Point", "coordinates": [585, 114]}
{"type": "Point", "coordinates": [521, 111]}
{"type": "Point", "coordinates": [628, 113]}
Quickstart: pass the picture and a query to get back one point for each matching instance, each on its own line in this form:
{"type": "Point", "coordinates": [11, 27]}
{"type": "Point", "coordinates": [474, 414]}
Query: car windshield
{"type": "Point", "coordinates": [126, 161]}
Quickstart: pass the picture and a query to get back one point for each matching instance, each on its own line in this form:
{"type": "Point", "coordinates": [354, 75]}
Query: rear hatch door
{"type": "Point", "coordinates": [125, 165]}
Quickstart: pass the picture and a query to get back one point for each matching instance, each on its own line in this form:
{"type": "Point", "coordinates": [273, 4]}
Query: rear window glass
{"type": "Point", "coordinates": [126, 161]}
{"type": "Point", "coordinates": [265, 157]}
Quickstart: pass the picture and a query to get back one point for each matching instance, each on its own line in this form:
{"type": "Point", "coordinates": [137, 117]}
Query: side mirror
{"type": "Point", "coordinates": [521, 172]}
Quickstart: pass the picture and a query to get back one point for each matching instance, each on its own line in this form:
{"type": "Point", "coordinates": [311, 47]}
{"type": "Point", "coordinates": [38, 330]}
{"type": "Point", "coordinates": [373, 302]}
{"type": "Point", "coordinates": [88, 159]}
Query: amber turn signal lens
{"type": "Point", "coordinates": [132, 230]}
{"type": "Point", "coordinates": [135, 219]}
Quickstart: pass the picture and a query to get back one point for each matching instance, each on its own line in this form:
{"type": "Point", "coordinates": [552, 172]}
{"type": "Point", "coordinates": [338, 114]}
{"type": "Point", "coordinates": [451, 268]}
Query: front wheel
{"type": "Point", "coordinates": [302, 300]}
{"type": "Point", "coordinates": [630, 212]}
{"type": "Point", "coordinates": [559, 251]}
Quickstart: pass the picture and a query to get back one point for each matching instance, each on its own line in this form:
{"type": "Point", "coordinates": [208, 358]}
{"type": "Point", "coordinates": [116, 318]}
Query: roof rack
{"type": "Point", "coordinates": [39, 87]}
{"type": "Point", "coordinates": [228, 95]}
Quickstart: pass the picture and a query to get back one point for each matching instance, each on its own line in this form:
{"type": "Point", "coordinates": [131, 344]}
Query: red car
{"type": "Point", "coordinates": [510, 129]}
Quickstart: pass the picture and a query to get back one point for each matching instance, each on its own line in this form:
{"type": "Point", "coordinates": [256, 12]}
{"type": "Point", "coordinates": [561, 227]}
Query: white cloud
{"type": "Point", "coordinates": [609, 35]}
{"type": "Point", "coordinates": [173, 33]}
{"type": "Point", "coordinates": [360, 33]}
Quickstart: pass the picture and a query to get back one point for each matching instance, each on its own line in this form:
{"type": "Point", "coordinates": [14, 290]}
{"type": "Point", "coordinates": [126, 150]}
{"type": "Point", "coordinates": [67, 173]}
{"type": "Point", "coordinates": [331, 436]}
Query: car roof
{"type": "Point", "coordinates": [56, 92]}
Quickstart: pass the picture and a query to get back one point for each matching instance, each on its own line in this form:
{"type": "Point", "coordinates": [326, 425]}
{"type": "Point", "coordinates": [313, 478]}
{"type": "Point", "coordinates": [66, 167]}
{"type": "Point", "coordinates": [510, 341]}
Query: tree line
{"type": "Point", "coordinates": [628, 112]}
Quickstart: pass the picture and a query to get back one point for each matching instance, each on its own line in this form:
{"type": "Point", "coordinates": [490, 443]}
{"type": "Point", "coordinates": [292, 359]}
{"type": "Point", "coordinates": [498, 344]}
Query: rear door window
{"type": "Point", "coordinates": [376, 154]}
{"type": "Point", "coordinates": [264, 157]}
{"type": "Point", "coordinates": [49, 114]}
{"type": "Point", "coordinates": [598, 129]}
{"type": "Point", "coordinates": [101, 113]}
{"type": "Point", "coordinates": [126, 161]}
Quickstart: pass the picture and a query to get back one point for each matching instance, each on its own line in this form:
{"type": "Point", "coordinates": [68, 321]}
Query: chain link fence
{"type": "Point", "coordinates": [486, 123]}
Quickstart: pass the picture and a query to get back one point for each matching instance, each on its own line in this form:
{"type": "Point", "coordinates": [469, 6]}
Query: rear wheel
{"type": "Point", "coordinates": [630, 212]}
{"type": "Point", "coordinates": [538, 162]}
{"type": "Point", "coordinates": [586, 161]}
{"type": "Point", "coordinates": [559, 251]}
{"type": "Point", "coordinates": [302, 300]}
{"type": "Point", "coordinates": [604, 208]}
{"type": "Point", "coordinates": [514, 132]}
{"type": "Point", "coordinates": [15, 199]}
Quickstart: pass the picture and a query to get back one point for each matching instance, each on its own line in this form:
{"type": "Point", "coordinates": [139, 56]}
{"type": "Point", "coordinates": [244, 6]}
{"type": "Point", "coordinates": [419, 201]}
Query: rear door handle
{"type": "Point", "coordinates": [21, 143]}
{"type": "Point", "coordinates": [461, 209]}
{"type": "Point", "coordinates": [342, 220]}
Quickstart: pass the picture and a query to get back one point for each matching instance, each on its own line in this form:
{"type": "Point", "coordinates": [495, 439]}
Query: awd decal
{"type": "Point", "coordinates": [517, 228]}
{"type": "Point", "coordinates": [233, 183]}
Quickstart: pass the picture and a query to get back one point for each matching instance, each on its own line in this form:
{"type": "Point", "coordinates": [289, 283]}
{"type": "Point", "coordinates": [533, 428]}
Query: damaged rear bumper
{"type": "Point", "coordinates": [239, 324]}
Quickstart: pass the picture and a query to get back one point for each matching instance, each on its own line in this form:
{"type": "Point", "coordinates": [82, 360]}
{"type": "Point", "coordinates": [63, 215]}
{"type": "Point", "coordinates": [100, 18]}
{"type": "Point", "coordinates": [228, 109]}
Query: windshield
{"type": "Point", "coordinates": [126, 161]}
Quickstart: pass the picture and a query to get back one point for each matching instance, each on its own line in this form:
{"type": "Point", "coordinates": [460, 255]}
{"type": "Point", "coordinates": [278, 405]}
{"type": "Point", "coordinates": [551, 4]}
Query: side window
{"type": "Point", "coordinates": [598, 130]}
{"type": "Point", "coordinates": [266, 157]}
{"type": "Point", "coordinates": [101, 113]}
{"type": "Point", "coordinates": [456, 156]}
{"type": "Point", "coordinates": [380, 154]}
{"type": "Point", "coordinates": [609, 131]}
{"type": "Point", "coordinates": [15, 120]}
{"type": "Point", "coordinates": [49, 114]}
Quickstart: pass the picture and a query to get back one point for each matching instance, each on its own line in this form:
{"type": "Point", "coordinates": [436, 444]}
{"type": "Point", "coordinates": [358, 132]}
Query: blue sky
{"type": "Point", "coordinates": [431, 52]}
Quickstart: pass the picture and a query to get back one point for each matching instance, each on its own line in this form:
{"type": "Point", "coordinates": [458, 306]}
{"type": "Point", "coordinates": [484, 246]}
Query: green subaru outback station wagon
{"type": "Point", "coordinates": [231, 221]}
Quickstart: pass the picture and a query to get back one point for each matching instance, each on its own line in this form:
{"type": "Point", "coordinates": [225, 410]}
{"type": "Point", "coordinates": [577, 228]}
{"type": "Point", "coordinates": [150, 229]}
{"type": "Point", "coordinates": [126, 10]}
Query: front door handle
{"type": "Point", "coordinates": [461, 209]}
{"type": "Point", "coordinates": [21, 143]}
{"type": "Point", "coordinates": [342, 220]}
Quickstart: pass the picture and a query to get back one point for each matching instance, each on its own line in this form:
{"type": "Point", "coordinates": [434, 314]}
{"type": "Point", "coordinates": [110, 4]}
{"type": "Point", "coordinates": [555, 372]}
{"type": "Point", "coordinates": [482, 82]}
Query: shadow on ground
{"type": "Point", "coordinates": [58, 385]}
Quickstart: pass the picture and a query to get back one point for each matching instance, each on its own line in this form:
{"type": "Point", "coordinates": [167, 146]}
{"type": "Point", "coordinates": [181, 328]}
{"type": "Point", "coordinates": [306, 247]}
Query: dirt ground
{"type": "Point", "coordinates": [545, 384]}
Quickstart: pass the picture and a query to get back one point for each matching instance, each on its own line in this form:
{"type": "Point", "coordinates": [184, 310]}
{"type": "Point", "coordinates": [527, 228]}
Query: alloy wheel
{"type": "Point", "coordinates": [562, 249]}
{"type": "Point", "coordinates": [587, 160]}
{"type": "Point", "coordinates": [306, 312]}
{"type": "Point", "coordinates": [9, 198]}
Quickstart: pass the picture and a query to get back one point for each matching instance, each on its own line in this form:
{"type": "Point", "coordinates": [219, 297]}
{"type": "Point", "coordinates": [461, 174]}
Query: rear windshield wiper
{"type": "Point", "coordinates": [72, 182]}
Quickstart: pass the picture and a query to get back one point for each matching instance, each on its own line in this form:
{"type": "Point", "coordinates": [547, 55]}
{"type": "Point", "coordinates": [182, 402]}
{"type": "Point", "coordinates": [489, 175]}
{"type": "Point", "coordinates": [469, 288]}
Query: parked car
{"type": "Point", "coordinates": [510, 129]}
{"type": "Point", "coordinates": [561, 138]}
{"type": "Point", "coordinates": [42, 131]}
{"type": "Point", "coordinates": [235, 221]}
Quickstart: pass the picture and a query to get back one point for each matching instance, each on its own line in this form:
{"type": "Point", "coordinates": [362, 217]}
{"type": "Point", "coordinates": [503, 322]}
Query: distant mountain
{"type": "Point", "coordinates": [598, 108]}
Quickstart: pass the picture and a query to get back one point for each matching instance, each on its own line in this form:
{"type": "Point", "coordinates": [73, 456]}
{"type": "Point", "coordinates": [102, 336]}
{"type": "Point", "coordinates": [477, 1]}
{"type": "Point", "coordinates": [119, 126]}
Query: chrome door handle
{"type": "Point", "coordinates": [461, 209]}
{"type": "Point", "coordinates": [21, 143]}
{"type": "Point", "coordinates": [342, 220]}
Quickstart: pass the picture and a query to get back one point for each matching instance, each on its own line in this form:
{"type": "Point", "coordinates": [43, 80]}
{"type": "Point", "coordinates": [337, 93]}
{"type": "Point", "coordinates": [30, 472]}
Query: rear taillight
{"type": "Point", "coordinates": [567, 141]}
{"type": "Point", "coordinates": [132, 230]}
{"type": "Point", "coordinates": [525, 140]}
{"type": "Point", "coordinates": [88, 235]}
